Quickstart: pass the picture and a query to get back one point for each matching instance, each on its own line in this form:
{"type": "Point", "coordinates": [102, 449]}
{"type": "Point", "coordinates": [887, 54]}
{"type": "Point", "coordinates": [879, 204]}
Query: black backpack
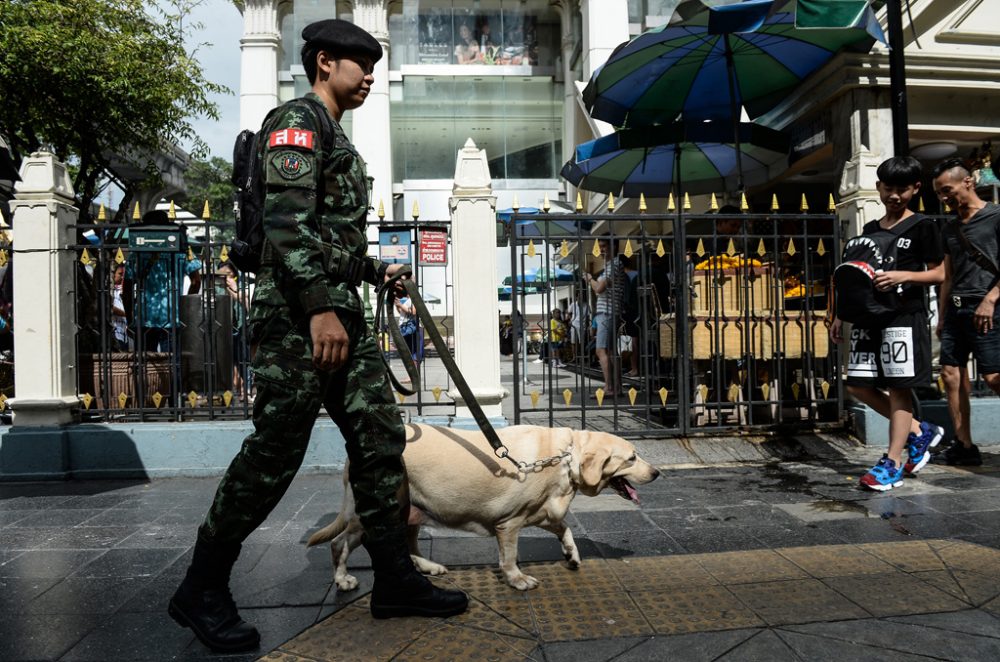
{"type": "Point", "coordinates": [857, 301]}
{"type": "Point", "coordinates": [246, 248]}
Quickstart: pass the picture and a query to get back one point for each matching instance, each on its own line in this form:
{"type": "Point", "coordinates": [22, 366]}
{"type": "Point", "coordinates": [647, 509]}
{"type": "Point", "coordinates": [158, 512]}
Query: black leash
{"type": "Point", "coordinates": [385, 305]}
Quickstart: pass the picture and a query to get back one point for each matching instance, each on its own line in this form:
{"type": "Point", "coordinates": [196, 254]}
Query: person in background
{"type": "Point", "coordinates": [579, 325]}
{"type": "Point", "coordinates": [119, 315]}
{"type": "Point", "coordinates": [241, 304]}
{"type": "Point", "coordinates": [608, 287]}
{"type": "Point", "coordinates": [407, 316]}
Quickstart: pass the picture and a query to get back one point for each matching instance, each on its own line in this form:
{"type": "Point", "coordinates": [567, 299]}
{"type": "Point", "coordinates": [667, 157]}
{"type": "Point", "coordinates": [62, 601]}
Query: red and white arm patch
{"type": "Point", "coordinates": [291, 138]}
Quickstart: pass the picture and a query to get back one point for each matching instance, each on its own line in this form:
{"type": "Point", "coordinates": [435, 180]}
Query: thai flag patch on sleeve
{"type": "Point", "coordinates": [291, 138]}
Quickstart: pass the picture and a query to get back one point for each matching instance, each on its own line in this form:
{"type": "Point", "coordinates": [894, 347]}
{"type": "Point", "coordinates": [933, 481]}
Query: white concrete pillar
{"type": "Point", "coordinates": [566, 11]}
{"type": "Point", "coordinates": [605, 25]}
{"type": "Point", "coordinates": [474, 265]}
{"type": "Point", "coordinates": [44, 334]}
{"type": "Point", "coordinates": [259, 62]}
{"type": "Point", "coordinates": [371, 134]}
{"type": "Point", "coordinates": [861, 143]}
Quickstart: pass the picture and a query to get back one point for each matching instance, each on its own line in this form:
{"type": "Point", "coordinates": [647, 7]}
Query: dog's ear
{"type": "Point", "coordinates": [592, 466]}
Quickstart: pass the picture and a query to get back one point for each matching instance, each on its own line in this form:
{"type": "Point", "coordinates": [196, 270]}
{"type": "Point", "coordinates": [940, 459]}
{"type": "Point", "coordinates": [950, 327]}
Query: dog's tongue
{"type": "Point", "coordinates": [625, 489]}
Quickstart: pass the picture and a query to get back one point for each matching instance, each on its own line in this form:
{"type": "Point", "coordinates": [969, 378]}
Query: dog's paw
{"type": "Point", "coordinates": [573, 562]}
{"type": "Point", "coordinates": [346, 583]}
{"type": "Point", "coordinates": [522, 582]}
{"type": "Point", "coordinates": [428, 567]}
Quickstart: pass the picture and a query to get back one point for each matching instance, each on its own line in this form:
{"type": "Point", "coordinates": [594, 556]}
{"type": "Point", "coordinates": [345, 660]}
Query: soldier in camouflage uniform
{"type": "Point", "coordinates": [312, 349]}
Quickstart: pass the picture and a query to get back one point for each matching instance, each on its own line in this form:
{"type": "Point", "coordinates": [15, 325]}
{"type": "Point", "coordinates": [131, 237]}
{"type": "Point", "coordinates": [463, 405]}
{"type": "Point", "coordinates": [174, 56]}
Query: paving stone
{"type": "Point", "coordinates": [623, 544]}
{"type": "Point", "coordinates": [817, 648]}
{"type": "Point", "coordinates": [48, 563]}
{"type": "Point", "coordinates": [716, 539]}
{"type": "Point", "coordinates": [660, 573]}
{"type": "Point", "coordinates": [795, 601]}
{"type": "Point", "coordinates": [826, 509]}
{"type": "Point", "coordinates": [907, 638]}
{"type": "Point", "coordinates": [969, 621]}
{"type": "Point", "coordinates": [130, 563]}
{"type": "Point", "coordinates": [45, 637]}
{"type": "Point", "coordinates": [694, 609]}
{"type": "Point", "coordinates": [912, 556]}
{"type": "Point", "coordinates": [619, 649]}
{"type": "Point", "coordinates": [749, 567]}
{"type": "Point", "coordinates": [87, 595]}
{"type": "Point", "coordinates": [894, 594]}
{"type": "Point", "coordinates": [835, 561]}
{"type": "Point", "coordinates": [765, 645]}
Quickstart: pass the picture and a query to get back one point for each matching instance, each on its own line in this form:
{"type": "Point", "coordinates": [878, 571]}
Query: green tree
{"type": "Point", "coordinates": [94, 78]}
{"type": "Point", "coordinates": [210, 181]}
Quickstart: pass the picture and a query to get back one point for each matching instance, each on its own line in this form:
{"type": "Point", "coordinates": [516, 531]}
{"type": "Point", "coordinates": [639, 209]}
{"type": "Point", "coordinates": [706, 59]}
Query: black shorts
{"type": "Point", "coordinates": [897, 356]}
{"type": "Point", "coordinates": [959, 338]}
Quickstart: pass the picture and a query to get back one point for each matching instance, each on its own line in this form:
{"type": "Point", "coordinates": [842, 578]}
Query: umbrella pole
{"type": "Point", "coordinates": [683, 289]}
{"type": "Point", "coordinates": [734, 111]}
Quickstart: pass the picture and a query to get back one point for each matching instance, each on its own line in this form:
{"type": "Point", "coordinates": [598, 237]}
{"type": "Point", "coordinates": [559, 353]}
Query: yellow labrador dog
{"type": "Point", "coordinates": [455, 479]}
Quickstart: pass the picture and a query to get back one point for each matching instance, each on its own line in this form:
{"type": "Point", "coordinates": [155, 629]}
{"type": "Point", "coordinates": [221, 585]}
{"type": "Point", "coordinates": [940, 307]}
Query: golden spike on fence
{"type": "Point", "coordinates": [596, 251]}
{"type": "Point", "coordinates": [920, 206]}
{"type": "Point", "coordinates": [192, 399]}
{"type": "Point", "coordinates": [402, 398]}
{"type": "Point", "coordinates": [761, 249]}
{"type": "Point", "coordinates": [731, 248]}
{"type": "Point", "coordinates": [120, 256]}
{"type": "Point", "coordinates": [599, 394]}
{"type": "Point", "coordinates": [122, 400]}
{"type": "Point", "coordinates": [85, 259]}
{"type": "Point", "coordinates": [567, 396]}
{"type": "Point", "coordinates": [713, 204]}
{"type": "Point", "coordinates": [628, 248]}
{"type": "Point", "coordinates": [632, 393]}
{"type": "Point", "coordinates": [940, 384]}
{"type": "Point", "coordinates": [436, 392]}
{"type": "Point", "coordinates": [832, 206]}
{"type": "Point", "coordinates": [821, 248]}
{"type": "Point", "coordinates": [157, 399]}
{"type": "Point", "coordinates": [659, 248]}
{"type": "Point", "coordinates": [791, 247]}
{"type": "Point", "coordinates": [227, 398]}
{"type": "Point", "coordinates": [670, 202]}
{"type": "Point", "coordinates": [795, 391]}
{"type": "Point", "coordinates": [579, 202]}
{"type": "Point", "coordinates": [663, 395]}
{"type": "Point", "coordinates": [135, 212]}
{"type": "Point", "coordinates": [564, 248]}
{"type": "Point", "coordinates": [703, 389]}
{"type": "Point", "coordinates": [190, 255]}
{"type": "Point", "coordinates": [381, 210]}
{"type": "Point", "coordinates": [515, 205]}
{"type": "Point", "coordinates": [3, 401]}
{"type": "Point", "coordinates": [700, 249]}
{"type": "Point", "coordinates": [642, 203]}
{"type": "Point", "coordinates": [534, 399]}
{"type": "Point", "coordinates": [87, 399]}
{"type": "Point", "coordinates": [224, 254]}
{"type": "Point", "coordinates": [744, 205]}
{"type": "Point", "coordinates": [416, 210]}
{"type": "Point", "coordinates": [687, 202]}
{"type": "Point", "coordinates": [774, 202]}
{"type": "Point", "coordinates": [825, 387]}
{"type": "Point", "coordinates": [804, 205]}
{"type": "Point", "coordinates": [734, 393]}
{"type": "Point", "coordinates": [3, 259]}
{"type": "Point", "coordinates": [531, 248]}
{"type": "Point", "coordinates": [101, 214]}
{"type": "Point", "coordinates": [172, 212]}
{"type": "Point", "coordinates": [206, 213]}
{"type": "Point", "coordinates": [765, 390]}
{"type": "Point", "coordinates": [611, 201]}
{"type": "Point", "coordinates": [546, 205]}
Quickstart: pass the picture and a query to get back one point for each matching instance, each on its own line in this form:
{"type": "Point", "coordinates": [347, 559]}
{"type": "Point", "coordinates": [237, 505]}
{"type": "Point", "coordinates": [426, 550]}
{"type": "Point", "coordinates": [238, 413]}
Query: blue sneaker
{"type": "Point", "coordinates": [885, 475]}
{"type": "Point", "coordinates": [918, 447]}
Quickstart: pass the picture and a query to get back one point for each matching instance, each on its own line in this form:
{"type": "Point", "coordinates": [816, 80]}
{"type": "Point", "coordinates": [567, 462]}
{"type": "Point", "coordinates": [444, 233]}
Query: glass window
{"type": "Point", "coordinates": [516, 119]}
{"type": "Point", "coordinates": [486, 32]}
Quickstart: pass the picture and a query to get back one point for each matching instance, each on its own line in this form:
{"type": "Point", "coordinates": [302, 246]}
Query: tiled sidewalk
{"type": "Point", "coordinates": [781, 561]}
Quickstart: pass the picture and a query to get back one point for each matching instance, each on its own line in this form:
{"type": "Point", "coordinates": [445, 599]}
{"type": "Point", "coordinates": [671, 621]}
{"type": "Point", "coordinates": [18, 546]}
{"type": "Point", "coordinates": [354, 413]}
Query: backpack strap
{"type": "Point", "coordinates": [977, 256]}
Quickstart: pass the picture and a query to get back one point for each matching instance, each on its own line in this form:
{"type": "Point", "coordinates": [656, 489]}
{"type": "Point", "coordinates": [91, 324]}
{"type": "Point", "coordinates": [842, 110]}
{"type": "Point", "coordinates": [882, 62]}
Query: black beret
{"type": "Point", "coordinates": [342, 37]}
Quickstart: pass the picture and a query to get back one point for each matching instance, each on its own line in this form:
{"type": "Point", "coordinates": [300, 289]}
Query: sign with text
{"type": "Point", "coordinates": [433, 248]}
{"type": "Point", "coordinates": [394, 246]}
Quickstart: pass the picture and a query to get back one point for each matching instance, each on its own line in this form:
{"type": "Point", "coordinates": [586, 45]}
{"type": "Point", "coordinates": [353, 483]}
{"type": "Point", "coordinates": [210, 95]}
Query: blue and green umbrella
{"type": "Point", "coordinates": [684, 156]}
{"type": "Point", "coordinates": [708, 61]}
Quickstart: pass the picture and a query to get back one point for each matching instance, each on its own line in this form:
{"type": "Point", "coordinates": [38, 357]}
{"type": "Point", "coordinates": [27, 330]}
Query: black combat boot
{"type": "Point", "coordinates": [400, 590]}
{"type": "Point", "coordinates": [204, 604]}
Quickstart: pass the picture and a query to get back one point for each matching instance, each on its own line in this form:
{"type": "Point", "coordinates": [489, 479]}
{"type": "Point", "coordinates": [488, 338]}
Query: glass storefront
{"type": "Point", "coordinates": [516, 119]}
{"type": "Point", "coordinates": [487, 32]}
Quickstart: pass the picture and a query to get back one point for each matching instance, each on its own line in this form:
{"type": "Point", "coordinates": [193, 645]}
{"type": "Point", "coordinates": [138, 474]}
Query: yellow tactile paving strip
{"type": "Point", "coordinates": [667, 595]}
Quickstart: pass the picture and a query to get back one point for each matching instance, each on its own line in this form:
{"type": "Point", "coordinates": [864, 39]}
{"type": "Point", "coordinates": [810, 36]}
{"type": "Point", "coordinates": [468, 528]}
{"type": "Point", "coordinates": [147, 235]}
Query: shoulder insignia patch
{"type": "Point", "coordinates": [291, 165]}
{"type": "Point", "coordinates": [291, 138]}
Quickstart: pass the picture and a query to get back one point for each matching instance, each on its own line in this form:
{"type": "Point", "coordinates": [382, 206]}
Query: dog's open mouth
{"type": "Point", "coordinates": [624, 489]}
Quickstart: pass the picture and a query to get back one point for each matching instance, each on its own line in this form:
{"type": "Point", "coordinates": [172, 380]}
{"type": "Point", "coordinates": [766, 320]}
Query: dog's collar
{"type": "Point", "coordinates": [538, 465]}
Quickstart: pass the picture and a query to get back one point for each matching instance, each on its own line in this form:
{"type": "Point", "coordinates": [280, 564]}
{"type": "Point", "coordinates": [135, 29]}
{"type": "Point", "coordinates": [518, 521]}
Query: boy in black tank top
{"type": "Point", "coordinates": [896, 355]}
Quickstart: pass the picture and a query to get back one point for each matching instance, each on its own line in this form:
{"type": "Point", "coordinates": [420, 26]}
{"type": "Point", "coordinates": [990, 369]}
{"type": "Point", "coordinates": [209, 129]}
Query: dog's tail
{"type": "Point", "coordinates": [328, 532]}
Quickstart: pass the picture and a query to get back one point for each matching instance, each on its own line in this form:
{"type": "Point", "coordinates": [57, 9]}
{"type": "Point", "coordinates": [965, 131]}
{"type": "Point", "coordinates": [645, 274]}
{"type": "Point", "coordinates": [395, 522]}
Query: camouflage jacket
{"type": "Point", "coordinates": [299, 166]}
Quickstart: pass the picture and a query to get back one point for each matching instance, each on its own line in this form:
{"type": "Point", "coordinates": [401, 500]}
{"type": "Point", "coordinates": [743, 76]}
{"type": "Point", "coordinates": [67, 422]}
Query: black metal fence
{"type": "Point", "coordinates": [162, 331]}
{"type": "Point", "coordinates": [725, 327]}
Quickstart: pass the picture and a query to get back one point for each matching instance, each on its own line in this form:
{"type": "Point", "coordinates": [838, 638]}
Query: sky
{"type": "Point", "coordinates": [222, 27]}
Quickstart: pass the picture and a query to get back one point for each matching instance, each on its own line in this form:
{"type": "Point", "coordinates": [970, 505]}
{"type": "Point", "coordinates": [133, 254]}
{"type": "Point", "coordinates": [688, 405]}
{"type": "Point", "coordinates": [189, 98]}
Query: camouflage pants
{"type": "Point", "coordinates": [289, 394]}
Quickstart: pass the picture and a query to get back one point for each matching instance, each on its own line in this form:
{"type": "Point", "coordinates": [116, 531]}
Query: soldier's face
{"type": "Point", "coordinates": [352, 79]}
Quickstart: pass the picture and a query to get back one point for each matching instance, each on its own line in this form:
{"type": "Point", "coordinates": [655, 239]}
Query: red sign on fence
{"type": "Point", "coordinates": [433, 248]}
